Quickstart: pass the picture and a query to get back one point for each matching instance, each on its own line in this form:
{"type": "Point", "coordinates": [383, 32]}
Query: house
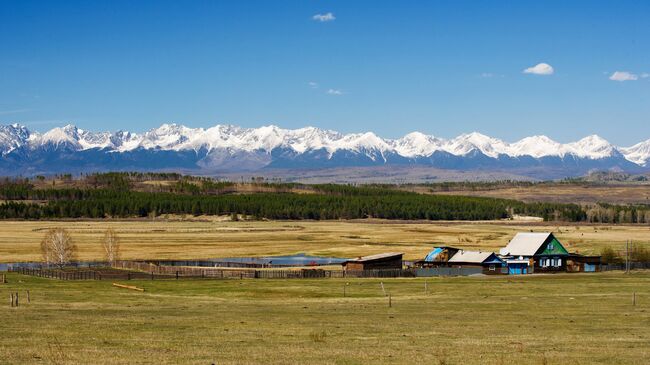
{"type": "Point", "coordinates": [382, 261]}
{"type": "Point", "coordinates": [489, 262]}
{"type": "Point", "coordinates": [437, 257]}
{"type": "Point", "coordinates": [581, 263]}
{"type": "Point", "coordinates": [535, 252]}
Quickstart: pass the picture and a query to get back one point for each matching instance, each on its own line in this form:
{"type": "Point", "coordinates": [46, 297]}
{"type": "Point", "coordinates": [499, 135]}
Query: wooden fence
{"type": "Point", "coordinates": [59, 274]}
{"type": "Point", "coordinates": [132, 270]}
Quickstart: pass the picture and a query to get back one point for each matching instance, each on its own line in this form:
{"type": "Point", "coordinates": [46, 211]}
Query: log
{"type": "Point", "coordinates": [128, 287]}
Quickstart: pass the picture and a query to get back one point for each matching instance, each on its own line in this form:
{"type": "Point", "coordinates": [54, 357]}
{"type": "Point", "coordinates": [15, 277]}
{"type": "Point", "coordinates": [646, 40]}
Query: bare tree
{"type": "Point", "coordinates": [111, 245]}
{"type": "Point", "coordinates": [57, 247]}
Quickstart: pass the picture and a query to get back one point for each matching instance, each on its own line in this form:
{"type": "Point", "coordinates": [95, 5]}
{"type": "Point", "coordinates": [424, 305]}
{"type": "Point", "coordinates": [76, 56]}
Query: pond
{"type": "Point", "coordinates": [300, 259]}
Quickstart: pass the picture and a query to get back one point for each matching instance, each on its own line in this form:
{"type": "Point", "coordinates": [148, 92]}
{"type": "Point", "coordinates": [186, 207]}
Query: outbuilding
{"type": "Point", "coordinates": [488, 262]}
{"type": "Point", "coordinates": [438, 257]}
{"type": "Point", "coordinates": [382, 261]}
{"type": "Point", "coordinates": [582, 263]}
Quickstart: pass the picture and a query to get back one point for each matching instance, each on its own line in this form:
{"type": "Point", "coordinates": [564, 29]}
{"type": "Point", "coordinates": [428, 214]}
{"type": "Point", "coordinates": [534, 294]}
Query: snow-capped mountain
{"type": "Point", "coordinates": [230, 148]}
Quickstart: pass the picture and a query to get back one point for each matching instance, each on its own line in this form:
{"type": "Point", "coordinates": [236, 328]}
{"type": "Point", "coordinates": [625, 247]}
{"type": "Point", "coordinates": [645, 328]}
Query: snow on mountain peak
{"type": "Point", "coordinates": [593, 147]}
{"type": "Point", "coordinates": [177, 137]}
{"type": "Point", "coordinates": [12, 136]}
{"type": "Point", "coordinates": [639, 153]}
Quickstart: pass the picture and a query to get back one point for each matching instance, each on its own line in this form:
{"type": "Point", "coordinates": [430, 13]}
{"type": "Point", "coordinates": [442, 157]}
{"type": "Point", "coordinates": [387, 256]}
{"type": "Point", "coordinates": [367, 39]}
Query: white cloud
{"type": "Point", "coordinates": [328, 17]}
{"type": "Point", "coordinates": [645, 75]}
{"type": "Point", "coordinates": [623, 76]}
{"type": "Point", "coordinates": [313, 85]}
{"type": "Point", "coordinates": [334, 92]}
{"type": "Point", "coordinates": [540, 69]}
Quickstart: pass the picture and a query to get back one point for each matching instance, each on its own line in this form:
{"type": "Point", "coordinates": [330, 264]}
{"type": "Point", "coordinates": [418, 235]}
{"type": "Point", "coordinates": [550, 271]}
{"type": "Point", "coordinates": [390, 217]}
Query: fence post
{"type": "Point", "coordinates": [11, 299]}
{"type": "Point", "coordinates": [16, 300]}
{"type": "Point", "coordinates": [177, 275]}
{"type": "Point", "coordinates": [28, 298]}
{"type": "Point", "coordinates": [390, 301]}
{"type": "Point", "coordinates": [634, 299]}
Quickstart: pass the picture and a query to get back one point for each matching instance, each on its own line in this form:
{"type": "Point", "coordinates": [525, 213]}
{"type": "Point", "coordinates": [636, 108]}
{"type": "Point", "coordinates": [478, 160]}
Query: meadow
{"type": "Point", "coordinates": [211, 237]}
{"type": "Point", "coordinates": [541, 319]}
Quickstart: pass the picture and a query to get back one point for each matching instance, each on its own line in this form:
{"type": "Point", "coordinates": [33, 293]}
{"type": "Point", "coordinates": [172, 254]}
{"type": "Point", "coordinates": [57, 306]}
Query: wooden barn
{"type": "Point", "coordinates": [543, 251]}
{"type": "Point", "coordinates": [438, 257]}
{"type": "Point", "coordinates": [382, 261]}
{"type": "Point", "coordinates": [489, 262]}
{"type": "Point", "coordinates": [581, 263]}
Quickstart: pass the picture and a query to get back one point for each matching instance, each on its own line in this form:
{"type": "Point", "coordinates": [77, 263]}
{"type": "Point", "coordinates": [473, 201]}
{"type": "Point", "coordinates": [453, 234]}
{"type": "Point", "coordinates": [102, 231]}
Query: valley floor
{"type": "Point", "coordinates": [212, 237]}
{"type": "Point", "coordinates": [539, 319]}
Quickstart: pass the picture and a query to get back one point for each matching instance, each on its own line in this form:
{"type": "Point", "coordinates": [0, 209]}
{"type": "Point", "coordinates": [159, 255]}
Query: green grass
{"type": "Point", "coordinates": [545, 319]}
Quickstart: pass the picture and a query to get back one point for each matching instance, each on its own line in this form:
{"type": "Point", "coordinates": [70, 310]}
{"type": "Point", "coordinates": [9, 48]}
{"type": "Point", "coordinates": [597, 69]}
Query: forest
{"type": "Point", "coordinates": [113, 195]}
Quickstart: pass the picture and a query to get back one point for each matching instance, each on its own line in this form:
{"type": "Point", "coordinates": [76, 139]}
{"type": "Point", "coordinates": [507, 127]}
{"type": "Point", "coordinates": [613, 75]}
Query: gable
{"type": "Point", "coordinates": [551, 247]}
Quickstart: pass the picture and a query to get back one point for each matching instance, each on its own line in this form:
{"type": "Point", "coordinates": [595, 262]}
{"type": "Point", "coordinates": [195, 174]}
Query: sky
{"type": "Point", "coordinates": [508, 69]}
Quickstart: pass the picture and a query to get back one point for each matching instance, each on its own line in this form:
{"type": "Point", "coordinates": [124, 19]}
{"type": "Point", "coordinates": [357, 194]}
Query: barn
{"type": "Point", "coordinates": [582, 263]}
{"type": "Point", "coordinates": [543, 251]}
{"type": "Point", "coordinates": [382, 261]}
{"type": "Point", "coordinates": [487, 262]}
{"type": "Point", "coordinates": [437, 257]}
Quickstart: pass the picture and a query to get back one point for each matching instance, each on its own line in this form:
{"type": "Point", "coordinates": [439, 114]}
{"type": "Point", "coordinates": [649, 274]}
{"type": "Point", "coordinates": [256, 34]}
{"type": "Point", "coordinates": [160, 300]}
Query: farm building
{"type": "Point", "coordinates": [382, 261]}
{"type": "Point", "coordinates": [488, 262]}
{"type": "Point", "coordinates": [542, 251]}
{"type": "Point", "coordinates": [437, 257]}
{"type": "Point", "coordinates": [576, 263]}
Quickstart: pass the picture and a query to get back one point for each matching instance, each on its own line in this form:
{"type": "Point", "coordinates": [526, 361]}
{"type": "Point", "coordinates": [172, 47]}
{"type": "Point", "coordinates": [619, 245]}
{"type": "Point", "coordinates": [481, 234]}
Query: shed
{"type": "Point", "coordinates": [382, 261]}
{"type": "Point", "coordinates": [582, 263]}
{"type": "Point", "coordinates": [437, 257]}
{"type": "Point", "coordinates": [545, 250]}
{"type": "Point", "coordinates": [488, 261]}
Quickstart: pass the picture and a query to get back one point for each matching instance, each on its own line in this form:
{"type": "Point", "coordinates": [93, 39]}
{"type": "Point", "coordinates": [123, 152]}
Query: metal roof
{"type": "Point", "coordinates": [470, 256]}
{"type": "Point", "coordinates": [378, 256]}
{"type": "Point", "coordinates": [525, 244]}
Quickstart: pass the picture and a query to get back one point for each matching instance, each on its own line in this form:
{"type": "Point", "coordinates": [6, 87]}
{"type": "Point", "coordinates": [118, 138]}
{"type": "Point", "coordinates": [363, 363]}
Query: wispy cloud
{"type": "Point", "coordinates": [645, 75]}
{"type": "Point", "coordinates": [540, 69]}
{"type": "Point", "coordinates": [327, 17]}
{"type": "Point", "coordinates": [487, 75]}
{"type": "Point", "coordinates": [623, 76]}
{"type": "Point", "coordinates": [313, 85]}
{"type": "Point", "coordinates": [14, 111]}
{"type": "Point", "coordinates": [334, 92]}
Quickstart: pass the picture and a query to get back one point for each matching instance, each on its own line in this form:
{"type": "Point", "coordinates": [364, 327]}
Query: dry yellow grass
{"type": "Point", "coordinates": [578, 319]}
{"type": "Point", "coordinates": [178, 239]}
{"type": "Point", "coordinates": [581, 194]}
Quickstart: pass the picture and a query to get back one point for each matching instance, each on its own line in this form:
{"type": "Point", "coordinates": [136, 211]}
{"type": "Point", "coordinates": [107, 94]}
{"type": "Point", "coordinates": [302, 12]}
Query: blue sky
{"type": "Point", "coordinates": [440, 67]}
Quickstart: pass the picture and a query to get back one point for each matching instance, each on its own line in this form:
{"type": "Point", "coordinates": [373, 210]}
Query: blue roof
{"type": "Point", "coordinates": [433, 254]}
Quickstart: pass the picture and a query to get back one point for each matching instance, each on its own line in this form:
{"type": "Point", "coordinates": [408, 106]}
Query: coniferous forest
{"type": "Point", "coordinates": [113, 195]}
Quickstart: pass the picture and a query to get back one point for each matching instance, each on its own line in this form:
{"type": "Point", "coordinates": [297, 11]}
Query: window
{"type": "Point", "coordinates": [550, 246]}
{"type": "Point", "coordinates": [492, 268]}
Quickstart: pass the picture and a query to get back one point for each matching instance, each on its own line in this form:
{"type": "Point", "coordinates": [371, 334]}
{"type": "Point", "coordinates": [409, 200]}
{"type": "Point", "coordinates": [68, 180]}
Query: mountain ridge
{"type": "Point", "coordinates": [230, 147]}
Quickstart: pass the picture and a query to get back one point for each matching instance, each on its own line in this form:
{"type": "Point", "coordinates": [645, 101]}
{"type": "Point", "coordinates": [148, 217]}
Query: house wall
{"type": "Point", "coordinates": [540, 268]}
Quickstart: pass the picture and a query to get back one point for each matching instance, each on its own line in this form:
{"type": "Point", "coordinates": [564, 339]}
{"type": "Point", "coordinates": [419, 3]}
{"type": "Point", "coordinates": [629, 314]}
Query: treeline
{"type": "Point", "coordinates": [113, 195]}
{"type": "Point", "coordinates": [332, 202]}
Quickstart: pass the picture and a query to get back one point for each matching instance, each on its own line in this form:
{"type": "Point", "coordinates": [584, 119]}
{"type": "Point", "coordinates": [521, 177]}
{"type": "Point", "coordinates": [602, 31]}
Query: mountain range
{"type": "Point", "coordinates": [228, 148]}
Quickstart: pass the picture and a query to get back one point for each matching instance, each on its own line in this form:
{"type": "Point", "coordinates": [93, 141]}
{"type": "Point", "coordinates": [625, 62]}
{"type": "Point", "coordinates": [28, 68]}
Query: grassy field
{"type": "Point", "coordinates": [543, 319]}
{"type": "Point", "coordinates": [20, 240]}
{"type": "Point", "coordinates": [562, 193]}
